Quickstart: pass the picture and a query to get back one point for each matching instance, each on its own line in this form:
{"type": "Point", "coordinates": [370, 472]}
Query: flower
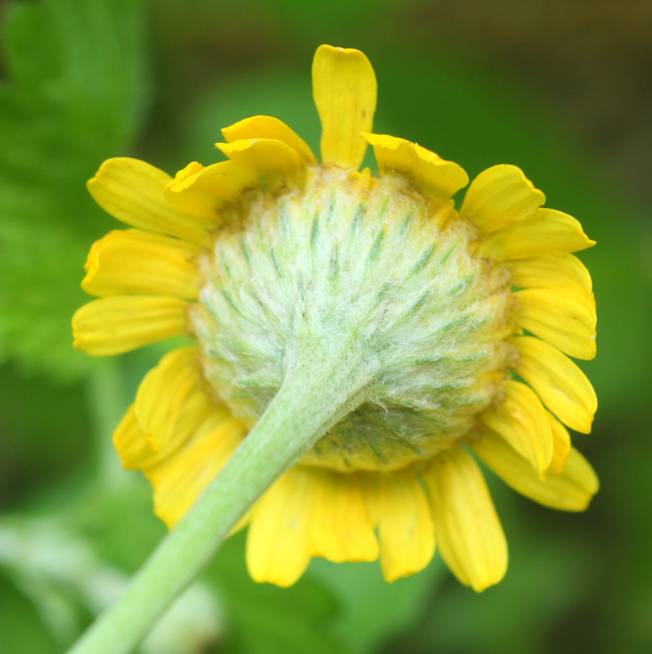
{"type": "Point", "coordinates": [464, 320]}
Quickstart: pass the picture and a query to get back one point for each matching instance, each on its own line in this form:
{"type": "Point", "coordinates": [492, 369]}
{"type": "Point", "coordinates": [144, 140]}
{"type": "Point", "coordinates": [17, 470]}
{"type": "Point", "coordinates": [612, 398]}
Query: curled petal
{"type": "Point", "coordinates": [270, 158]}
{"type": "Point", "coordinates": [202, 191]}
{"type": "Point", "coordinates": [134, 261]}
{"type": "Point", "coordinates": [521, 421]}
{"type": "Point", "coordinates": [560, 384]}
{"type": "Point", "coordinates": [172, 401]}
{"type": "Point", "coordinates": [571, 490]}
{"type": "Point", "coordinates": [133, 192]}
{"type": "Point", "coordinates": [546, 232]}
{"type": "Point", "coordinates": [562, 446]}
{"type": "Point", "coordinates": [180, 479]}
{"type": "Point", "coordinates": [132, 444]}
{"type": "Point", "coordinates": [499, 196]}
{"type": "Point", "coordinates": [435, 176]}
{"type": "Point", "coordinates": [268, 127]}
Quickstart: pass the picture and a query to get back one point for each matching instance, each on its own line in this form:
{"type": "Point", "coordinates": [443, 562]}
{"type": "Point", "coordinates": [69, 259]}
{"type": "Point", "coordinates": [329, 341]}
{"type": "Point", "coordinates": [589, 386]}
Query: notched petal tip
{"type": "Point", "coordinates": [202, 190]}
{"type": "Point", "coordinates": [120, 323]}
{"type": "Point", "coordinates": [330, 49]}
{"type": "Point", "coordinates": [345, 92]}
{"type": "Point", "coordinates": [185, 177]}
{"type": "Point", "coordinates": [141, 262]}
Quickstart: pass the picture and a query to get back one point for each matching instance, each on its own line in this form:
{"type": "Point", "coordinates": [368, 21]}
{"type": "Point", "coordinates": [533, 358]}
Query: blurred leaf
{"type": "Point", "coordinates": [39, 291]}
{"type": "Point", "coordinates": [476, 116]}
{"type": "Point", "coordinates": [65, 106]}
{"type": "Point", "coordinates": [282, 93]}
{"type": "Point", "coordinates": [259, 618]}
{"type": "Point", "coordinates": [23, 630]}
{"type": "Point", "coordinates": [339, 22]}
{"type": "Point", "coordinates": [265, 619]}
{"type": "Point", "coordinates": [549, 577]}
{"type": "Point", "coordinates": [41, 443]}
{"type": "Point", "coordinates": [371, 609]}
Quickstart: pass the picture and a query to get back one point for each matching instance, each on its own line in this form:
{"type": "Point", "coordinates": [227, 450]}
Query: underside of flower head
{"type": "Point", "coordinates": [464, 315]}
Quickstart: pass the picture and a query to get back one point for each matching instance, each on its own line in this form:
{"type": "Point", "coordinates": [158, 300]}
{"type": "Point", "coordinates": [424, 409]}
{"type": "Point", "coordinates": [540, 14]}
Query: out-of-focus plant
{"type": "Point", "coordinates": [75, 88]}
{"type": "Point", "coordinates": [66, 581]}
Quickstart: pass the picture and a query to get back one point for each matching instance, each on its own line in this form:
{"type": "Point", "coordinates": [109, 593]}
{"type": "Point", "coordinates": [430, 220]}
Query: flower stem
{"type": "Point", "coordinates": [107, 402]}
{"type": "Point", "coordinates": [317, 392]}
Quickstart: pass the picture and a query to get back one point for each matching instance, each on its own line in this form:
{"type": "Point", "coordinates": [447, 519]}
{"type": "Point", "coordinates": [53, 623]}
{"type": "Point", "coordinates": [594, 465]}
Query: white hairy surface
{"type": "Point", "coordinates": [344, 261]}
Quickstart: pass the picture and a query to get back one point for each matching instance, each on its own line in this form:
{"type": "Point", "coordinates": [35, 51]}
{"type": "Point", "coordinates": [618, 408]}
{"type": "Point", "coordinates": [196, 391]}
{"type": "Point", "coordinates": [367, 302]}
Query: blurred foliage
{"type": "Point", "coordinates": [73, 92]}
{"type": "Point", "coordinates": [87, 80]}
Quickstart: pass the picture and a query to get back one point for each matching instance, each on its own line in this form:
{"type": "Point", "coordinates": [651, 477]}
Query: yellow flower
{"type": "Point", "coordinates": [464, 320]}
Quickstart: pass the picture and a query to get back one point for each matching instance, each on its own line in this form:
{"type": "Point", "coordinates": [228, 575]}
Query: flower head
{"type": "Point", "coordinates": [463, 320]}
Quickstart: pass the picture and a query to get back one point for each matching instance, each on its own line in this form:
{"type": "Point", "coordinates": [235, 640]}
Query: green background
{"type": "Point", "coordinates": [558, 88]}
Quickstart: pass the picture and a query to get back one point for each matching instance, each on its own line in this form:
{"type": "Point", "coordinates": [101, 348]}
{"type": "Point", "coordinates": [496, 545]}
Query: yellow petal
{"type": "Point", "coordinates": [467, 528]}
{"type": "Point", "coordinates": [562, 317]}
{"type": "Point", "coordinates": [132, 443]}
{"type": "Point", "coordinates": [133, 261]}
{"type": "Point", "coordinates": [562, 386]}
{"type": "Point", "coordinates": [405, 527]}
{"type": "Point", "coordinates": [571, 490]}
{"type": "Point", "coordinates": [268, 127]}
{"type": "Point", "coordinates": [435, 176]}
{"type": "Point", "coordinates": [552, 271]}
{"type": "Point", "coordinates": [546, 232]}
{"type": "Point", "coordinates": [499, 196]}
{"type": "Point", "coordinates": [202, 191]}
{"type": "Point", "coordinates": [522, 421]}
{"type": "Point", "coordinates": [344, 90]}
{"type": "Point", "coordinates": [562, 446]}
{"type": "Point", "coordinates": [165, 388]}
{"type": "Point", "coordinates": [133, 191]}
{"type": "Point", "coordinates": [278, 542]}
{"type": "Point", "coordinates": [272, 159]}
{"type": "Point", "coordinates": [181, 478]}
{"type": "Point", "coordinates": [120, 323]}
{"type": "Point", "coordinates": [172, 402]}
{"type": "Point", "coordinates": [340, 526]}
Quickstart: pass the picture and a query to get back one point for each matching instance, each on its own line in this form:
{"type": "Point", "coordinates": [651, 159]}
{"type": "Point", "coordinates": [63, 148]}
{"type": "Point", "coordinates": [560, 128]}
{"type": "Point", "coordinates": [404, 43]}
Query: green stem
{"type": "Point", "coordinates": [107, 400]}
{"type": "Point", "coordinates": [314, 396]}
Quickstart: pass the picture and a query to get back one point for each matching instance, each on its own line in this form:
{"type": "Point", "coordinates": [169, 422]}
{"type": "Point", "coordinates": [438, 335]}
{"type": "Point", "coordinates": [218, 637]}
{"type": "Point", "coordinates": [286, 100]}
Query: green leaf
{"type": "Point", "coordinates": [39, 290]}
{"type": "Point", "coordinates": [479, 119]}
{"type": "Point", "coordinates": [264, 619]}
{"type": "Point", "coordinates": [22, 628]}
{"type": "Point", "coordinates": [285, 94]}
{"type": "Point", "coordinates": [64, 107]}
{"type": "Point", "coordinates": [372, 609]}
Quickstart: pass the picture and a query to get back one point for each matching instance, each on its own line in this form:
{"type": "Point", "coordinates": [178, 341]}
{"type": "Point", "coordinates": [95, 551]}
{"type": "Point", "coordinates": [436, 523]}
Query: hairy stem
{"type": "Point", "coordinates": [319, 389]}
